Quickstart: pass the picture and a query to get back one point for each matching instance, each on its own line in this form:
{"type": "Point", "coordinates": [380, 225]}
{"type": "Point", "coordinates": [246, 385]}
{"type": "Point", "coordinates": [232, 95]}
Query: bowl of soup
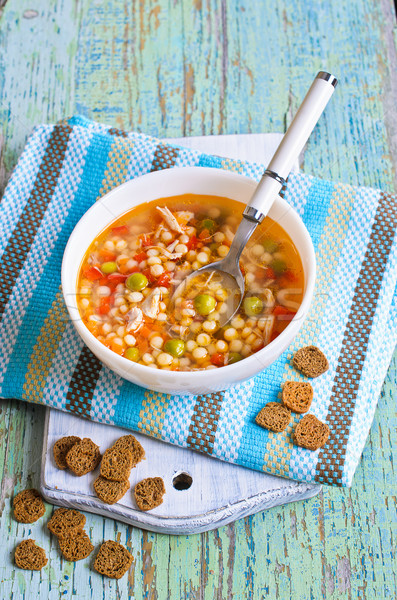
{"type": "Point", "coordinates": [130, 251]}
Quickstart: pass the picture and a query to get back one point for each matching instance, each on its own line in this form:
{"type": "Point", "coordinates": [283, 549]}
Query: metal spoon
{"type": "Point", "coordinates": [268, 188]}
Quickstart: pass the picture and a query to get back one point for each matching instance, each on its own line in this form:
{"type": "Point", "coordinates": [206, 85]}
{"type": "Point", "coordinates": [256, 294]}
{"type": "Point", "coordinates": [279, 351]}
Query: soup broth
{"type": "Point", "coordinates": [131, 269]}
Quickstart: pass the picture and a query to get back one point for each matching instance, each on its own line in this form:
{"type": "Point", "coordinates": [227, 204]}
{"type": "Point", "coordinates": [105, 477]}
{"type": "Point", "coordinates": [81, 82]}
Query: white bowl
{"type": "Point", "coordinates": [162, 184]}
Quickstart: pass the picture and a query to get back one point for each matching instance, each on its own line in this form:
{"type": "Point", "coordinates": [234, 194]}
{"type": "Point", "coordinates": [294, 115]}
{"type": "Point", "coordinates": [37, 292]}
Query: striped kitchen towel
{"type": "Point", "coordinates": [63, 170]}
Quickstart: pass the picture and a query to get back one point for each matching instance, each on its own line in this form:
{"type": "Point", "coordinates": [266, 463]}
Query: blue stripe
{"type": "Point", "coordinates": [129, 405]}
{"type": "Point", "coordinates": [50, 280]}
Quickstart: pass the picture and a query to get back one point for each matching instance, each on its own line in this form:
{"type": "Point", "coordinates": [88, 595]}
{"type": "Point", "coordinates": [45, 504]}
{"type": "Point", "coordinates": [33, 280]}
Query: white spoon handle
{"type": "Point", "coordinates": [291, 145]}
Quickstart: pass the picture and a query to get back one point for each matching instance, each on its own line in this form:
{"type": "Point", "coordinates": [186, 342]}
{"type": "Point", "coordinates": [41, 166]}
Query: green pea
{"type": "Point", "coordinates": [213, 247]}
{"type": "Point", "coordinates": [204, 304]}
{"type": "Point", "coordinates": [208, 224]}
{"type": "Point", "coordinates": [136, 282]}
{"type": "Point", "coordinates": [252, 306]}
{"type": "Point", "coordinates": [108, 267]}
{"type": "Point", "coordinates": [234, 357]}
{"type": "Point", "coordinates": [278, 266]}
{"type": "Point", "coordinates": [175, 347]}
{"type": "Point", "coordinates": [132, 354]}
{"type": "Point", "coordinates": [269, 245]}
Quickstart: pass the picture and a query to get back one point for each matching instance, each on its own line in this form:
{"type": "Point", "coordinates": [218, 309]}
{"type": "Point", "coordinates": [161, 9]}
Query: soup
{"type": "Point", "coordinates": [129, 273]}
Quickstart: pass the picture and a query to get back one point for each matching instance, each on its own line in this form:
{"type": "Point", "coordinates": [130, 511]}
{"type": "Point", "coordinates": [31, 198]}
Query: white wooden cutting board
{"type": "Point", "coordinates": [219, 493]}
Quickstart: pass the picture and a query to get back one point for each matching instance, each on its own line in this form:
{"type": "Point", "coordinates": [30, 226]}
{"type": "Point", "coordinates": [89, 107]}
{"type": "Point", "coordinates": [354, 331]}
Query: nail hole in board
{"type": "Point", "coordinates": [182, 481]}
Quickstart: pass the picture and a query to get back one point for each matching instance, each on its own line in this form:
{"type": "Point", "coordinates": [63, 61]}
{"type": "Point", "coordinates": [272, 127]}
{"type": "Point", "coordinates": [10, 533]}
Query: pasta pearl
{"type": "Point", "coordinates": [130, 340]}
{"type": "Point", "coordinates": [166, 236]}
{"type": "Point", "coordinates": [153, 260]}
{"type": "Point", "coordinates": [84, 303]}
{"type": "Point", "coordinates": [200, 353]}
{"type": "Point", "coordinates": [135, 297]}
{"type": "Point", "coordinates": [169, 265]}
{"type": "Point", "coordinates": [214, 212]}
{"type": "Point", "coordinates": [230, 334]}
{"type": "Point", "coordinates": [156, 270]}
{"type": "Point", "coordinates": [237, 323]}
{"type": "Point", "coordinates": [209, 326]}
{"type": "Point", "coordinates": [203, 339]}
{"type": "Point", "coordinates": [202, 258]}
{"type": "Point", "coordinates": [257, 250]}
{"type": "Point", "coordinates": [164, 359]}
{"type": "Point", "coordinates": [221, 346]}
{"type": "Point", "coordinates": [157, 342]}
{"type": "Point", "coordinates": [103, 291]}
{"type": "Point", "coordinates": [121, 331]}
{"type": "Point", "coordinates": [147, 358]}
{"type": "Point", "coordinates": [223, 250]}
{"type": "Point", "coordinates": [236, 346]}
{"type": "Point", "coordinates": [182, 248]}
{"type": "Point", "coordinates": [219, 237]}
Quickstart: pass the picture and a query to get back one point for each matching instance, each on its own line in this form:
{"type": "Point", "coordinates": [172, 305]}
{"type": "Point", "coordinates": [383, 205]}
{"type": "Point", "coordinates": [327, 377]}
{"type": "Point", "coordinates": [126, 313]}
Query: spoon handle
{"type": "Point", "coordinates": [291, 146]}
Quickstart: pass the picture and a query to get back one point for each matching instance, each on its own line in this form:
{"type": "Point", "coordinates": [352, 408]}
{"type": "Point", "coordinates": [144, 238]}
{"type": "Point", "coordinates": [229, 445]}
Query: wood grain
{"type": "Point", "coordinates": [194, 67]}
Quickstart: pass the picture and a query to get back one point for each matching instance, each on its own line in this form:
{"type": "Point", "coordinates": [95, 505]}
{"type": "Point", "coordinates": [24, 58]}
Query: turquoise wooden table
{"type": "Point", "coordinates": [194, 67]}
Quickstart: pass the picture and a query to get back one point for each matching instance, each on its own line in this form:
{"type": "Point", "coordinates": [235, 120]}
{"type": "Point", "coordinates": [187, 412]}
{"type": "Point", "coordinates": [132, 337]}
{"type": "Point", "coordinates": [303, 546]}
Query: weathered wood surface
{"type": "Point", "coordinates": [193, 67]}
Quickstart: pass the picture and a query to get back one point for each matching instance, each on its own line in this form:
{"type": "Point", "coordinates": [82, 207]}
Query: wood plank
{"type": "Point", "coordinates": [201, 67]}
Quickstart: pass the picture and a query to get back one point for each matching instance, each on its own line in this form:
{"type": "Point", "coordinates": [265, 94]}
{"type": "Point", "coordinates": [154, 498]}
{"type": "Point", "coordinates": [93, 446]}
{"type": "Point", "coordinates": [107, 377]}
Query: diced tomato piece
{"type": "Point", "coordinates": [164, 280]}
{"type": "Point", "coordinates": [140, 256]}
{"type": "Point", "coordinates": [192, 243]}
{"type": "Point", "coordinates": [149, 276]}
{"type": "Point", "coordinates": [117, 277]}
{"type": "Point", "coordinates": [92, 273]}
{"type": "Point", "coordinates": [290, 275]}
{"type": "Point", "coordinates": [120, 230]}
{"type": "Point", "coordinates": [218, 359]}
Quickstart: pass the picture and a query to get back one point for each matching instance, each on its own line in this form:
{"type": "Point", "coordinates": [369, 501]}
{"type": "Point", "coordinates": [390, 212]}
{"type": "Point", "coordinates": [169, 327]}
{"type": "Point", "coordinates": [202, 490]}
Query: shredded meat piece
{"type": "Point", "coordinates": [169, 218]}
{"type": "Point", "coordinates": [135, 318]}
{"type": "Point", "coordinates": [151, 306]}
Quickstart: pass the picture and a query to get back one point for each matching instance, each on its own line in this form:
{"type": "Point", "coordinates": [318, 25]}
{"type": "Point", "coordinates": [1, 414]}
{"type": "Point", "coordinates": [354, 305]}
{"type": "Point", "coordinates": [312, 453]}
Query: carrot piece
{"type": "Point", "coordinates": [205, 235]}
{"type": "Point", "coordinates": [107, 255]}
{"type": "Point", "coordinates": [120, 230]}
{"type": "Point", "coordinates": [116, 346]}
{"type": "Point", "coordinates": [145, 331]}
